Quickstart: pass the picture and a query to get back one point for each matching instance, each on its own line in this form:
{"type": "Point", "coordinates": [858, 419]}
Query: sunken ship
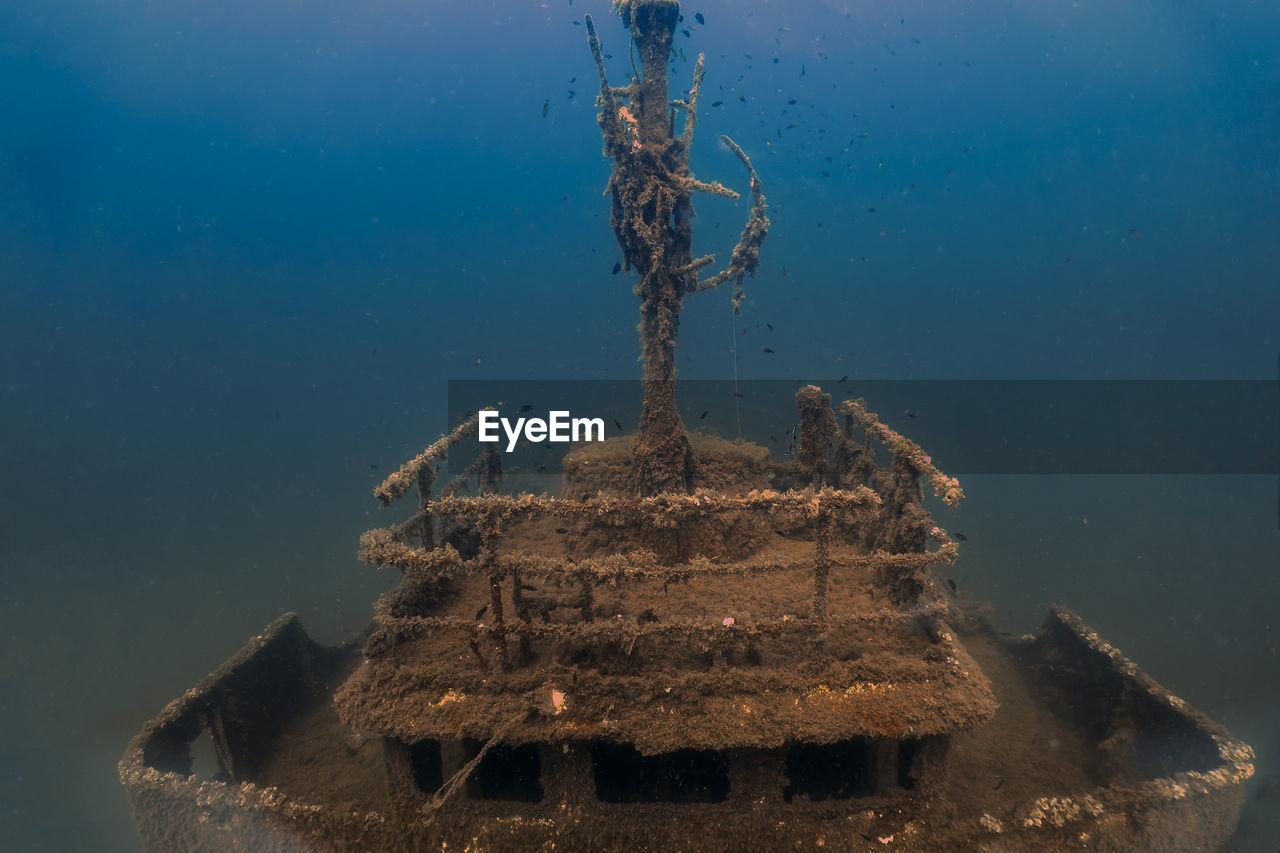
{"type": "Point", "coordinates": [692, 645]}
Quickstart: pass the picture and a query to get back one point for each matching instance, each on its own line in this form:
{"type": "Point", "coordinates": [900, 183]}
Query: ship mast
{"type": "Point", "coordinates": [652, 189]}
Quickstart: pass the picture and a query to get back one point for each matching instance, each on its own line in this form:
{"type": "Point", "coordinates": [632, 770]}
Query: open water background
{"type": "Point", "coordinates": [244, 246]}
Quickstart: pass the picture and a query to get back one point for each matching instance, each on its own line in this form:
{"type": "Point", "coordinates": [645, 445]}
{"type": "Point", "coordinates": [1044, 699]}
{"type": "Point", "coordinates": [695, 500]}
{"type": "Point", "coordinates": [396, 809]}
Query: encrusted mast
{"type": "Point", "coordinates": [652, 188]}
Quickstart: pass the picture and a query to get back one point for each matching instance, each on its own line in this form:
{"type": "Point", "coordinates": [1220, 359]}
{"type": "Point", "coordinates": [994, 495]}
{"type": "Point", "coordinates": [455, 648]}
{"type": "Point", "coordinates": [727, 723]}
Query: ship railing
{"type": "Point", "coordinates": [829, 511]}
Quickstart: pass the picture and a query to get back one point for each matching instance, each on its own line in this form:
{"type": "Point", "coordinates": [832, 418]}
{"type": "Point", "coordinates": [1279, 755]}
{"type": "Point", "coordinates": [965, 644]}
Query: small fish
{"type": "Point", "coordinates": [951, 583]}
{"type": "Point", "coordinates": [844, 378]}
{"type": "Point", "coordinates": [697, 16]}
{"type": "Point", "coordinates": [774, 439]}
{"type": "Point", "coordinates": [617, 268]}
{"type": "Point", "coordinates": [738, 395]}
{"type": "Point", "coordinates": [541, 469]}
{"type": "Point", "coordinates": [373, 467]}
{"type": "Point", "coordinates": [784, 272]}
{"type": "Point", "coordinates": [703, 415]}
{"type": "Point", "coordinates": [767, 351]}
{"type": "Point", "coordinates": [527, 407]}
{"type": "Point", "coordinates": [687, 34]}
{"type": "Point", "coordinates": [375, 353]}
{"type": "Point", "coordinates": [546, 107]}
{"type": "Point", "coordinates": [483, 610]}
{"type": "Point", "coordinates": [792, 102]}
{"type": "Point", "coordinates": [910, 414]}
{"type": "Point", "coordinates": [960, 536]}
{"type": "Point", "coordinates": [871, 210]}
{"type": "Point", "coordinates": [562, 530]}
{"type": "Point", "coordinates": [477, 361]}
{"type": "Point", "coordinates": [716, 103]}
{"type": "Point", "coordinates": [793, 124]}
{"type": "Point", "coordinates": [620, 427]}
{"type": "Point", "coordinates": [769, 326]}
{"type": "Point", "coordinates": [1133, 232]}
{"type": "Point", "coordinates": [742, 98]}
{"type": "Point", "coordinates": [527, 588]}
{"type": "Point", "coordinates": [1069, 260]}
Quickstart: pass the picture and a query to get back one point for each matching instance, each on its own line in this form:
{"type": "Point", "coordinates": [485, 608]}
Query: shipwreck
{"type": "Point", "coordinates": [692, 645]}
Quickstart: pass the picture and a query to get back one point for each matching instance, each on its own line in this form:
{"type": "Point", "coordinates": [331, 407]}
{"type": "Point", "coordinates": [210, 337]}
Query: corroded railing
{"type": "Point", "coordinates": [830, 511]}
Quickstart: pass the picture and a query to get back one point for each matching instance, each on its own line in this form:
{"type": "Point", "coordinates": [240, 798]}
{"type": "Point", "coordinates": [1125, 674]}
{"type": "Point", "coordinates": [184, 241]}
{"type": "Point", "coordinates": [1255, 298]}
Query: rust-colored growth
{"type": "Point", "coordinates": [652, 216]}
{"type": "Point", "coordinates": [817, 427]}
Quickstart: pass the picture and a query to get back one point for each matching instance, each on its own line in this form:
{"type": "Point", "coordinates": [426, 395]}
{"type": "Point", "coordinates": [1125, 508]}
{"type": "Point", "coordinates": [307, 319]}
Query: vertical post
{"type": "Point", "coordinates": [822, 563]}
{"type": "Point", "coordinates": [489, 548]}
{"type": "Point", "coordinates": [426, 480]}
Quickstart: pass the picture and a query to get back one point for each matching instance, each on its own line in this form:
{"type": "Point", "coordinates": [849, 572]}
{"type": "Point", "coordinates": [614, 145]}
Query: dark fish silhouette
{"type": "Point", "coordinates": [844, 378]}
{"type": "Point", "coordinates": [617, 268]}
{"type": "Point", "coordinates": [527, 407]}
{"type": "Point", "coordinates": [697, 16]}
{"type": "Point", "coordinates": [620, 427]}
{"type": "Point", "coordinates": [481, 612]}
{"type": "Point", "coordinates": [546, 107]}
{"type": "Point", "coordinates": [716, 103]}
{"type": "Point", "coordinates": [703, 415]}
{"type": "Point", "coordinates": [767, 351]}
{"type": "Point", "coordinates": [961, 537]}
{"type": "Point", "coordinates": [769, 326]}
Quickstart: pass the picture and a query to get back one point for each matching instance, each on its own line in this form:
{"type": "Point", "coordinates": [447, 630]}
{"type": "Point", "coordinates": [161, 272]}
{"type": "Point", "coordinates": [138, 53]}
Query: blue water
{"type": "Point", "coordinates": [245, 245]}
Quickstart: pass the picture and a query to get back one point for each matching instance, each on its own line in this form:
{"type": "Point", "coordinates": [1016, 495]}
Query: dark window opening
{"type": "Point", "coordinates": [623, 775]}
{"type": "Point", "coordinates": [833, 771]}
{"type": "Point", "coordinates": [908, 756]}
{"type": "Point", "coordinates": [507, 772]}
{"type": "Point", "coordinates": [424, 758]}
